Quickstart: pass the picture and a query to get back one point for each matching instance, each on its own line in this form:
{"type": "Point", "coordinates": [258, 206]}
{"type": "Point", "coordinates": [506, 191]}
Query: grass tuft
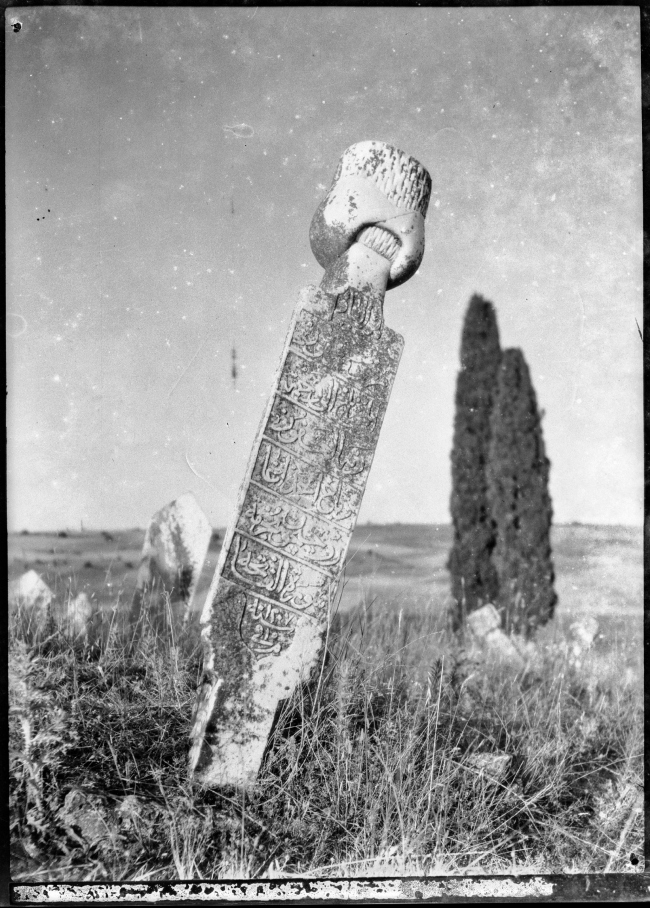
{"type": "Point", "coordinates": [403, 756]}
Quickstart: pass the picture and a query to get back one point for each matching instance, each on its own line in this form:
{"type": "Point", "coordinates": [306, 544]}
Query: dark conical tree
{"type": "Point", "coordinates": [473, 576]}
{"type": "Point", "coordinates": [519, 500]}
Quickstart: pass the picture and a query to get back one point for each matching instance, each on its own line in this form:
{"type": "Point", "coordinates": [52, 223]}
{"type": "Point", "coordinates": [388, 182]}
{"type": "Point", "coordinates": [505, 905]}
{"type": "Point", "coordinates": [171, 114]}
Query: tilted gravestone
{"type": "Point", "coordinates": [282, 557]}
{"type": "Point", "coordinates": [175, 546]}
{"type": "Point", "coordinates": [80, 614]}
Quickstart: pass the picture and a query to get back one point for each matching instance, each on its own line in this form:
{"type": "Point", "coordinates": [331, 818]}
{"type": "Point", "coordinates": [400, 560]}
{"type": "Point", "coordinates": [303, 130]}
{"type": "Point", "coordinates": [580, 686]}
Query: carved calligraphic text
{"type": "Point", "coordinates": [282, 560]}
{"type": "Point", "coordinates": [268, 606]}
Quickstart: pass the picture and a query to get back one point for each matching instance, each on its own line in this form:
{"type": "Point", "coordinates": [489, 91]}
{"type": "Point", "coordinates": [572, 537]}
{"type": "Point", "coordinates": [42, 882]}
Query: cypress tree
{"type": "Point", "coordinates": [474, 579]}
{"type": "Point", "coordinates": [519, 500]}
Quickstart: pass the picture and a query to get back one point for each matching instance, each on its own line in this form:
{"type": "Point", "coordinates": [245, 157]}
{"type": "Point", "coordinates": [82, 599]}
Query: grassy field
{"type": "Point", "coordinates": [406, 755]}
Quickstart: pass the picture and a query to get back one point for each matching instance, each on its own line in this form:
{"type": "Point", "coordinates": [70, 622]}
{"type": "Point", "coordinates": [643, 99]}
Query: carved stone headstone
{"type": "Point", "coordinates": [175, 546]}
{"type": "Point", "coordinates": [30, 599]}
{"type": "Point", "coordinates": [283, 554]}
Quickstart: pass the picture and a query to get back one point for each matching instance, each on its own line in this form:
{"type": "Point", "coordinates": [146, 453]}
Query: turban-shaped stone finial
{"type": "Point", "coordinates": [377, 189]}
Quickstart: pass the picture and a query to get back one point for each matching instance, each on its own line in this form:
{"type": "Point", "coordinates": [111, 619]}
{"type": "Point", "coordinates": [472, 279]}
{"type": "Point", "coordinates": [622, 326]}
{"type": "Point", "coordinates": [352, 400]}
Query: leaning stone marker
{"type": "Point", "coordinates": [175, 546]}
{"type": "Point", "coordinates": [282, 557]}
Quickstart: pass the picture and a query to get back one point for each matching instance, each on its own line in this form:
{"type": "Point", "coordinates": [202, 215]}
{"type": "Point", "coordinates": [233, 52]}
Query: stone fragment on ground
{"type": "Point", "coordinates": [85, 817]}
{"type": "Point", "coordinates": [484, 625]}
{"type": "Point", "coordinates": [175, 546]}
{"type": "Point", "coordinates": [134, 813]}
{"type": "Point", "coordinates": [30, 598]}
{"type": "Point", "coordinates": [490, 765]}
{"type": "Point", "coordinates": [89, 821]}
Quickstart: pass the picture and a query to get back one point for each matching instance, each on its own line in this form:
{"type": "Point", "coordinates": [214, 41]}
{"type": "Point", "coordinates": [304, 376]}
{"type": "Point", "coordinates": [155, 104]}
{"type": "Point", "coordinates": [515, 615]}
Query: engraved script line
{"type": "Point", "coordinates": [355, 360]}
{"type": "Point", "coordinates": [255, 570]}
{"type": "Point", "coordinates": [282, 605]}
{"type": "Point", "coordinates": [260, 525]}
{"type": "Point", "coordinates": [300, 507]}
{"type": "Point", "coordinates": [324, 415]}
{"type": "Point", "coordinates": [264, 542]}
{"type": "Point", "coordinates": [339, 473]}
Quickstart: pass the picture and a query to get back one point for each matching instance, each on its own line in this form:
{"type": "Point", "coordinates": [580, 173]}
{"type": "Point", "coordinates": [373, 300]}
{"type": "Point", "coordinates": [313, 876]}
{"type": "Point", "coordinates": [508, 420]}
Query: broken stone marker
{"type": "Point", "coordinates": [30, 598]}
{"type": "Point", "coordinates": [282, 557]}
{"type": "Point", "coordinates": [175, 546]}
{"type": "Point", "coordinates": [485, 629]}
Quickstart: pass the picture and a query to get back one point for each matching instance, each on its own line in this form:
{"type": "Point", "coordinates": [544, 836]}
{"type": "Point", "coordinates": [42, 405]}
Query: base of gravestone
{"type": "Point", "coordinates": [291, 713]}
{"type": "Point", "coordinates": [246, 696]}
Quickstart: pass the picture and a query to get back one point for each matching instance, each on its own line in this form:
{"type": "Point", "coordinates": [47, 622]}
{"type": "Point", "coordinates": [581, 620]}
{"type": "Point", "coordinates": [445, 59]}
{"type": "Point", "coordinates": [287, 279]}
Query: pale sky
{"type": "Point", "coordinates": [163, 167]}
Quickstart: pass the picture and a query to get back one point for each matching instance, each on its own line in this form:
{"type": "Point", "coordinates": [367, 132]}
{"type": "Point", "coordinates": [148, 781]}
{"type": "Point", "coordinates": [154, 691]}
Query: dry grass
{"type": "Point", "coordinates": [381, 766]}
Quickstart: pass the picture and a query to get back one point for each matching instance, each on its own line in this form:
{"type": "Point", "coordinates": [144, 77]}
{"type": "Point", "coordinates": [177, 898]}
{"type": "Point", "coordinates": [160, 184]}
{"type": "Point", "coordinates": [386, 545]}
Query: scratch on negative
{"type": "Point", "coordinates": [187, 460]}
{"type": "Point", "coordinates": [174, 386]}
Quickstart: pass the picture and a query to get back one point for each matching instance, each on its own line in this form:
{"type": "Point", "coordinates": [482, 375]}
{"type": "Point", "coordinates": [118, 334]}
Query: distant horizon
{"type": "Point", "coordinates": [24, 531]}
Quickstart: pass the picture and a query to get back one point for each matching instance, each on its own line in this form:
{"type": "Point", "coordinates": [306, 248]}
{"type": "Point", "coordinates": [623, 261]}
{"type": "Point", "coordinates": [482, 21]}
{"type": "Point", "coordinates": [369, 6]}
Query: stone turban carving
{"type": "Point", "coordinates": [379, 197]}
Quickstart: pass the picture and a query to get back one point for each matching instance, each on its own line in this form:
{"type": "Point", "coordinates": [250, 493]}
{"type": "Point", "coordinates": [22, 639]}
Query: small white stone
{"type": "Point", "coordinates": [483, 620]}
{"type": "Point", "coordinates": [80, 615]}
{"type": "Point", "coordinates": [492, 766]}
{"type": "Point", "coordinates": [499, 645]}
{"type": "Point", "coordinates": [31, 596]}
{"type": "Point", "coordinates": [584, 632]}
{"type": "Point", "coordinates": [583, 635]}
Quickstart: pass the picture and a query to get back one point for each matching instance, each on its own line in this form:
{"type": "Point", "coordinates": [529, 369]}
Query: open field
{"type": "Point", "coordinates": [377, 768]}
{"type": "Point", "coordinates": [599, 572]}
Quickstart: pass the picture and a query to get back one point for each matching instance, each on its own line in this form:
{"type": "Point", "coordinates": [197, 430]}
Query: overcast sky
{"type": "Point", "coordinates": [163, 167]}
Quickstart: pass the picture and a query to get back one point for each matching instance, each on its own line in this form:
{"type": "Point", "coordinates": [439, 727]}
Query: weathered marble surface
{"type": "Point", "coordinates": [379, 190]}
{"type": "Point", "coordinates": [268, 606]}
{"type": "Point", "coordinates": [174, 550]}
